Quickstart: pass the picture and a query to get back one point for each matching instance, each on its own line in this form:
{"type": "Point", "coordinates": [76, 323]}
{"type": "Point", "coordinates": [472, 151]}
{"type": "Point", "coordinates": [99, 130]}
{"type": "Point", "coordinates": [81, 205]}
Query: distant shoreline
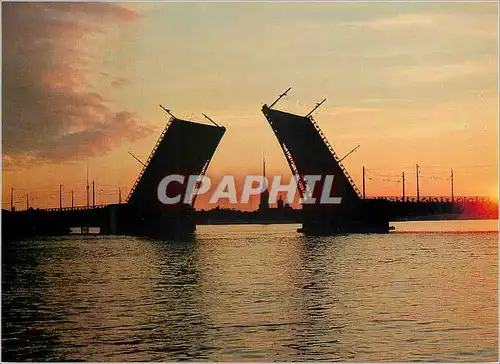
{"type": "Point", "coordinates": [409, 219]}
{"type": "Point", "coordinates": [445, 217]}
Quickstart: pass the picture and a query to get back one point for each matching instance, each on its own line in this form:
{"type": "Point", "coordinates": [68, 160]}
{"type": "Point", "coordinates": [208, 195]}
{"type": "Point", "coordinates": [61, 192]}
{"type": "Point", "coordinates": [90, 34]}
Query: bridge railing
{"type": "Point", "coordinates": [337, 159]}
{"type": "Point", "coordinates": [138, 179]}
{"type": "Point", "coordinates": [74, 208]}
{"type": "Point", "coordinates": [456, 199]}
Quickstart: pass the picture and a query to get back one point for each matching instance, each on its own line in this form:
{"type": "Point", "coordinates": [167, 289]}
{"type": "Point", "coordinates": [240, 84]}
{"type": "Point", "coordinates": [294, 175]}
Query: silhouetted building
{"type": "Point", "coordinates": [280, 203]}
{"type": "Point", "coordinates": [264, 196]}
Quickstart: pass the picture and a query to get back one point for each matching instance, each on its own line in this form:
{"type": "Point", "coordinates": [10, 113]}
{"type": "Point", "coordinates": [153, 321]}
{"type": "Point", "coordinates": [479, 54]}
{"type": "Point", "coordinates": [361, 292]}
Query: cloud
{"type": "Point", "coordinates": [120, 82]}
{"type": "Point", "coordinates": [50, 111]}
{"type": "Point", "coordinates": [444, 72]}
{"type": "Point", "coordinates": [349, 110]}
{"type": "Point", "coordinates": [102, 137]}
{"type": "Point", "coordinates": [400, 21]}
{"type": "Point", "coordinates": [484, 25]}
{"type": "Point", "coordinates": [10, 163]}
{"type": "Point", "coordinates": [100, 11]}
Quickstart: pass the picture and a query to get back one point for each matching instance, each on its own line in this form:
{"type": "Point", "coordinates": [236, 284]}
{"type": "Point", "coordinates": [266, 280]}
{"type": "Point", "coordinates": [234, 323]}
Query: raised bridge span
{"type": "Point", "coordinates": [183, 147]}
{"type": "Point", "coordinates": [186, 148]}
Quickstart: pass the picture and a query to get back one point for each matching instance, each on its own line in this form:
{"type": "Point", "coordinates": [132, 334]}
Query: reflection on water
{"type": "Point", "coordinates": [253, 293]}
{"type": "Point", "coordinates": [447, 226]}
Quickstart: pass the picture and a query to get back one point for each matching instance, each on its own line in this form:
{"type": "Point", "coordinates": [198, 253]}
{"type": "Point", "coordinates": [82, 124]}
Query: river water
{"type": "Point", "coordinates": [256, 293]}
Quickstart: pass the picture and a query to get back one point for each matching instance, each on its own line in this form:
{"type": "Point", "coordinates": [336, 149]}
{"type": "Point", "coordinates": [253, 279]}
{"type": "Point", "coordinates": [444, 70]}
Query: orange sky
{"type": "Point", "coordinates": [410, 83]}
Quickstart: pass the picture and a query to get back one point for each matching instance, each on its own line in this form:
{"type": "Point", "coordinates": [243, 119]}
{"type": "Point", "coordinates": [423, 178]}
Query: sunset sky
{"type": "Point", "coordinates": [410, 82]}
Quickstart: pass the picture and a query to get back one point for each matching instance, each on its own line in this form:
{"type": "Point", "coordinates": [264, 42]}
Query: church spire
{"type": "Point", "coordinates": [264, 165]}
{"type": "Point", "coordinates": [264, 196]}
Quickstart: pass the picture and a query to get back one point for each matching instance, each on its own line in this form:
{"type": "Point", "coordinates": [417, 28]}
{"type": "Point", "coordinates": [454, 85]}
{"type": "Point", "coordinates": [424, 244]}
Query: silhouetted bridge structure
{"type": "Point", "coordinates": [308, 152]}
{"type": "Point", "coordinates": [186, 148]}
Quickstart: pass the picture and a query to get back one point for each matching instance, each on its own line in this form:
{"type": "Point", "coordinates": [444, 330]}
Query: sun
{"type": "Point", "coordinates": [494, 194]}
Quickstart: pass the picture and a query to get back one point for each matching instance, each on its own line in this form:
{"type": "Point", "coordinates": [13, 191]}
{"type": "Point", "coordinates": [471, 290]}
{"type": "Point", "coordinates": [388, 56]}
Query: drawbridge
{"type": "Point", "coordinates": [308, 152]}
{"type": "Point", "coordinates": [184, 148]}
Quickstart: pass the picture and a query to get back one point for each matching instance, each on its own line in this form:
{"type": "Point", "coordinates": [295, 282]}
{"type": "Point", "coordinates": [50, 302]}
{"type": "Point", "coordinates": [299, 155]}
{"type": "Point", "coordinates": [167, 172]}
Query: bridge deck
{"type": "Point", "coordinates": [184, 148]}
{"type": "Point", "coordinates": [308, 151]}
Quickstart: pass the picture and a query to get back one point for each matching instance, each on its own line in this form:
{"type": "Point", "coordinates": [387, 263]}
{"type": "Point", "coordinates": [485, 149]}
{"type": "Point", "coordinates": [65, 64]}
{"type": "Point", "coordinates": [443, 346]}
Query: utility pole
{"type": "Point", "coordinates": [93, 194]}
{"type": "Point", "coordinates": [403, 186]}
{"type": "Point", "coordinates": [87, 186]}
{"type": "Point", "coordinates": [364, 194]}
{"type": "Point", "coordinates": [418, 187]}
{"type": "Point", "coordinates": [72, 204]}
{"type": "Point", "coordinates": [119, 195]}
{"type": "Point", "coordinates": [12, 199]}
{"type": "Point", "coordinates": [452, 191]}
{"type": "Point", "coordinates": [27, 202]}
{"type": "Point", "coordinates": [60, 196]}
